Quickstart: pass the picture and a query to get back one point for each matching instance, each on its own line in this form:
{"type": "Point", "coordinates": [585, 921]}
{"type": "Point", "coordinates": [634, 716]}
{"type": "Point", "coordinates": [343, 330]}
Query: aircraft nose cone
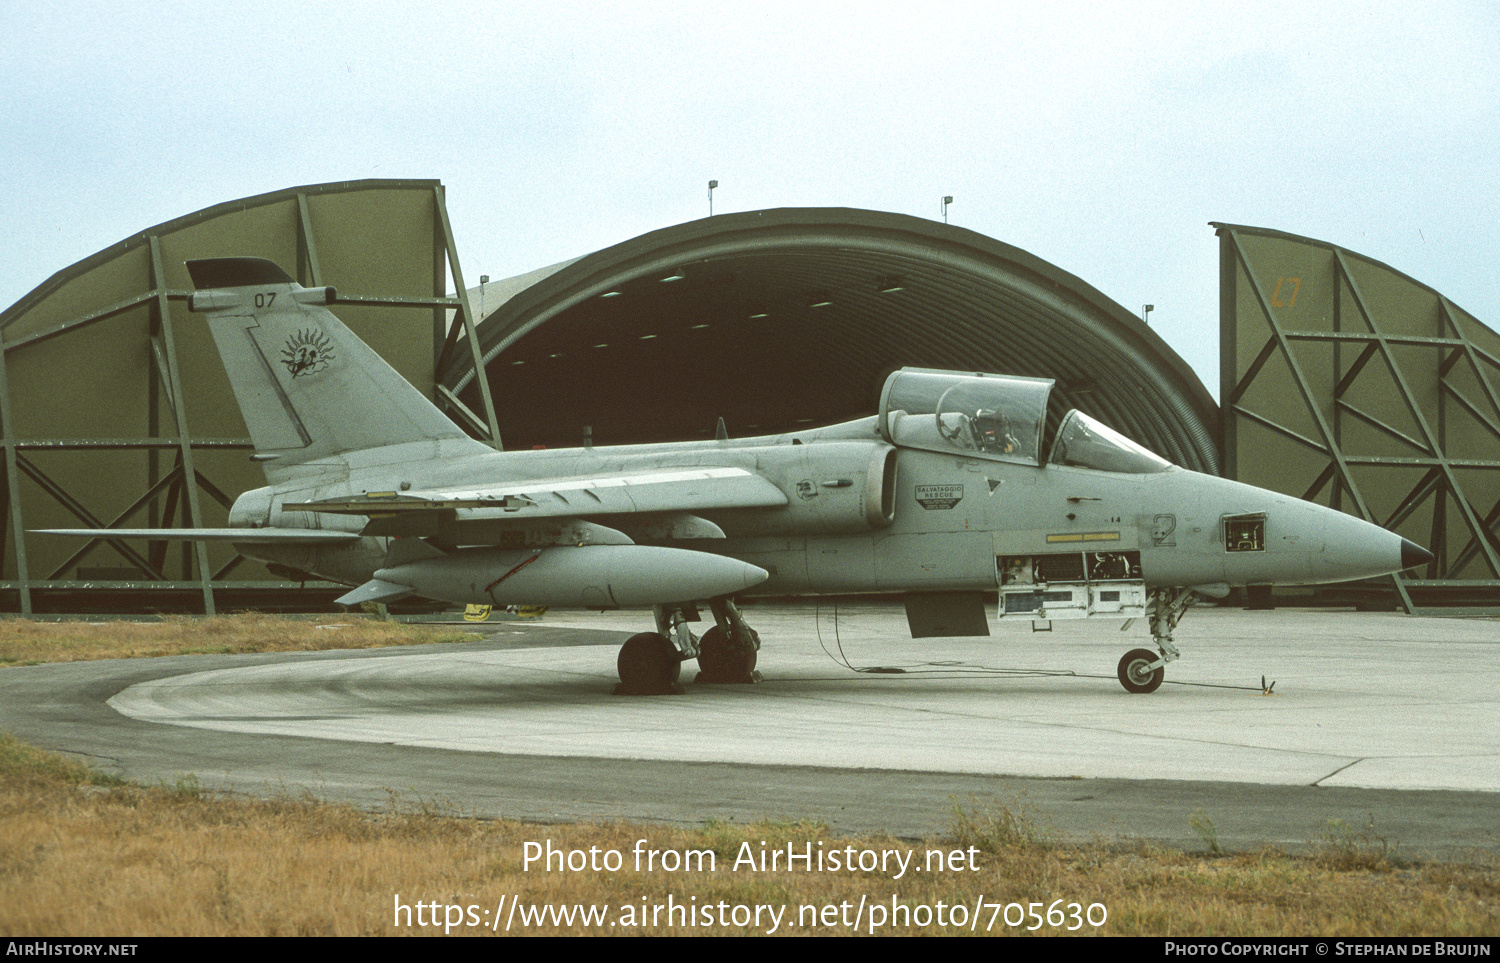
{"type": "Point", "coordinates": [1413, 554]}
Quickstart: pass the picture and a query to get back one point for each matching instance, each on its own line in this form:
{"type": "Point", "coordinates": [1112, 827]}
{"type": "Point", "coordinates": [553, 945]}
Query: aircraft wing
{"type": "Point", "coordinates": [667, 490]}
{"type": "Point", "coordinates": [273, 536]}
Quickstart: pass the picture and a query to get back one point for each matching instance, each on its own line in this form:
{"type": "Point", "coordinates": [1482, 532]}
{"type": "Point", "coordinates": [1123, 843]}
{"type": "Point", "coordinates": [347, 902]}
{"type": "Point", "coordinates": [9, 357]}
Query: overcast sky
{"type": "Point", "coordinates": [1100, 137]}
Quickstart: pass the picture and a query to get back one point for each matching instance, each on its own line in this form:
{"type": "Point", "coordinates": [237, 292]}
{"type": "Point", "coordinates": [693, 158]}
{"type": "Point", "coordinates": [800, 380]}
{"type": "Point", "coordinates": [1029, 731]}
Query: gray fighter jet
{"type": "Point", "coordinates": [957, 488]}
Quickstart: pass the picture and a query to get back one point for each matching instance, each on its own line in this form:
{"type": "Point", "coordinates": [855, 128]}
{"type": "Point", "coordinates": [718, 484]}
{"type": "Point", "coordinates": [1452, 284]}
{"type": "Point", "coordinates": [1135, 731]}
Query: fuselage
{"type": "Point", "coordinates": [863, 515]}
{"type": "Point", "coordinates": [963, 481]}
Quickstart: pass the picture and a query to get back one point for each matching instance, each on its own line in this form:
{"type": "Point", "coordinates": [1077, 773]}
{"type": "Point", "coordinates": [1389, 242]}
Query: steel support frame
{"type": "Point", "coordinates": [164, 384]}
{"type": "Point", "coordinates": [469, 322]}
{"type": "Point", "coordinates": [1440, 482]}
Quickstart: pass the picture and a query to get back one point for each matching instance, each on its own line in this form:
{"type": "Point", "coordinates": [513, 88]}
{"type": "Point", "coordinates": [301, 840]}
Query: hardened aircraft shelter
{"type": "Point", "coordinates": [115, 410]}
{"type": "Point", "coordinates": [1348, 383]}
{"type": "Point", "coordinates": [779, 319]}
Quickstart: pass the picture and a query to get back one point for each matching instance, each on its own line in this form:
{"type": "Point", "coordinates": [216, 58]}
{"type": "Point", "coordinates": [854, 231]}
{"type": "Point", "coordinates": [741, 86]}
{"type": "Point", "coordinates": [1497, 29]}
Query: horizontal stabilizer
{"type": "Point", "coordinates": [235, 272]}
{"type": "Point", "coordinates": [265, 536]}
{"type": "Point", "coordinates": [375, 590]}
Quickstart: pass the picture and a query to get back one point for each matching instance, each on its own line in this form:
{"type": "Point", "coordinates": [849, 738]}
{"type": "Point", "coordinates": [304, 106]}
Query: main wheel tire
{"type": "Point", "coordinates": [649, 665]}
{"type": "Point", "coordinates": [724, 659]}
{"type": "Point", "coordinates": [1134, 675]}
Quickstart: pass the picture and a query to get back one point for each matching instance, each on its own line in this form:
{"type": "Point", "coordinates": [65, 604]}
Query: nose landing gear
{"type": "Point", "coordinates": [1142, 670]}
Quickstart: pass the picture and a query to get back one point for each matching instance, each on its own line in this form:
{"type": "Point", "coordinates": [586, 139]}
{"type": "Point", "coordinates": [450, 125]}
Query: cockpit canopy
{"type": "Point", "coordinates": [1086, 443]}
{"type": "Point", "coordinates": [1001, 418]}
{"type": "Point", "coordinates": [991, 416]}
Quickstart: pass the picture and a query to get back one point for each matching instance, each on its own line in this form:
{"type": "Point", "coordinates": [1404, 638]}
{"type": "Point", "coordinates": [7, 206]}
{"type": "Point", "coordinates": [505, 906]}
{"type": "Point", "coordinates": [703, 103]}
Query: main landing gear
{"type": "Point", "coordinates": [1142, 670]}
{"type": "Point", "coordinates": [651, 663]}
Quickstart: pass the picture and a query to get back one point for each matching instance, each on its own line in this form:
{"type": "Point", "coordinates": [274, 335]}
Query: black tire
{"type": "Point", "coordinates": [1133, 675]}
{"type": "Point", "coordinates": [722, 658]}
{"type": "Point", "coordinates": [648, 664]}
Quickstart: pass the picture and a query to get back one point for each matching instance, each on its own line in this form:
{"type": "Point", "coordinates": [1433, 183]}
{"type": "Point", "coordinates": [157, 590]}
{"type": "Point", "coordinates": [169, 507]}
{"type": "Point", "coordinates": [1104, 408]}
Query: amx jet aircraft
{"type": "Point", "coordinates": [959, 487]}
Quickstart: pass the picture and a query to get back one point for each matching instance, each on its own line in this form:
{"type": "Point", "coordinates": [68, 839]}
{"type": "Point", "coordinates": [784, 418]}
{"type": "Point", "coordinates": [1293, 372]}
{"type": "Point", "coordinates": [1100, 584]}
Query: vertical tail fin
{"type": "Point", "coordinates": [307, 387]}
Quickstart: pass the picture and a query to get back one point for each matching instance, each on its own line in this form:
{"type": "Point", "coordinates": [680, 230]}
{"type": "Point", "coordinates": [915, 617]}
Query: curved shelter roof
{"type": "Point", "coordinates": [781, 319]}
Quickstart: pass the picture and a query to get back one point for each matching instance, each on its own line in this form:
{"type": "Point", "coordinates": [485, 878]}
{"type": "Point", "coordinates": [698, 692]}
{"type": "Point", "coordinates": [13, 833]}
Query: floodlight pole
{"type": "Point", "coordinates": [711, 186]}
{"type": "Point", "coordinates": [946, 201]}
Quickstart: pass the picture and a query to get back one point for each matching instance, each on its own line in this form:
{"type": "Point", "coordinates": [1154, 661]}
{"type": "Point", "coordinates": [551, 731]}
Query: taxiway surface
{"type": "Point", "coordinates": [1378, 724]}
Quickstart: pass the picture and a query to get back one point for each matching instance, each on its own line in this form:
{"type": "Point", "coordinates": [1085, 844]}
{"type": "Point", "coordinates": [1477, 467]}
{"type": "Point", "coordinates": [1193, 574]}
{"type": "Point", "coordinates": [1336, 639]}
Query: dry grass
{"type": "Point", "coordinates": [24, 642]}
{"type": "Point", "coordinates": [81, 855]}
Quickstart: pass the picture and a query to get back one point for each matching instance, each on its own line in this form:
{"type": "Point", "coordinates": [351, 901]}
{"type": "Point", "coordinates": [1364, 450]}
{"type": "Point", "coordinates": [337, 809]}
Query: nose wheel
{"type": "Point", "coordinates": [1136, 672]}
